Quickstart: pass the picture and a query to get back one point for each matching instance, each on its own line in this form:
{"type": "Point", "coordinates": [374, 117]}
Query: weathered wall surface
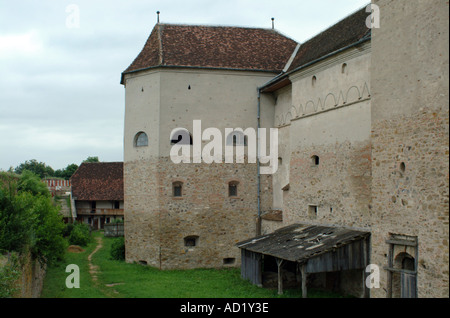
{"type": "Point", "coordinates": [410, 137]}
{"type": "Point", "coordinates": [339, 185]}
{"type": "Point", "coordinates": [326, 113]}
{"type": "Point", "coordinates": [207, 212]}
{"type": "Point", "coordinates": [156, 222]}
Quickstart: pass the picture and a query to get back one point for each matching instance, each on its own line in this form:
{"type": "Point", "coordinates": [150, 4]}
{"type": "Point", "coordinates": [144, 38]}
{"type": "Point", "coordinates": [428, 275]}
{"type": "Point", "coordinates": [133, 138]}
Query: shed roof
{"type": "Point", "coordinates": [98, 181]}
{"type": "Point", "coordinates": [218, 47]}
{"type": "Point", "coordinates": [300, 242]}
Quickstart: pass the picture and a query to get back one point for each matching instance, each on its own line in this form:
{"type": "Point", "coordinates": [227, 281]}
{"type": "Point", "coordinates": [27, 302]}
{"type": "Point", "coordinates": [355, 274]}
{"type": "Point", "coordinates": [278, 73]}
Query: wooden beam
{"type": "Point", "coordinates": [280, 275]}
{"type": "Point", "coordinates": [304, 277]}
{"type": "Point", "coordinates": [389, 273]}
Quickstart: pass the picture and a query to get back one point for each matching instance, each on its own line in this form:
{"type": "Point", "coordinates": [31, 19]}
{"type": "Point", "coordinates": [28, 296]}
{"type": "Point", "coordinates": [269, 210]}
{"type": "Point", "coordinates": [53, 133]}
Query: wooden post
{"type": "Point", "coordinates": [304, 276]}
{"type": "Point", "coordinates": [280, 276]}
{"type": "Point", "coordinates": [389, 273]}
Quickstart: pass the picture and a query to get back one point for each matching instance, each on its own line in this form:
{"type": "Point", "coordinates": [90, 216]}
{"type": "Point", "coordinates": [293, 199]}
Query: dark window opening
{"type": "Point", "coordinates": [232, 189]}
{"type": "Point", "coordinates": [116, 204]}
{"type": "Point", "coordinates": [229, 261]}
{"type": "Point", "coordinates": [182, 136]}
{"type": "Point", "coordinates": [315, 160]}
{"type": "Point", "coordinates": [177, 189]}
{"type": "Point", "coordinates": [312, 210]}
{"type": "Point", "coordinates": [237, 138]}
{"type": "Point", "coordinates": [191, 241]}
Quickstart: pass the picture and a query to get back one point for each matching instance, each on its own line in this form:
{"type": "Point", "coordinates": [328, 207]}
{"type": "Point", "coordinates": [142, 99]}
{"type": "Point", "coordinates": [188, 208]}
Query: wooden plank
{"type": "Point", "coordinates": [401, 242]}
{"type": "Point", "coordinates": [304, 277]}
{"type": "Point", "coordinates": [389, 273]}
{"type": "Point", "coordinates": [280, 275]}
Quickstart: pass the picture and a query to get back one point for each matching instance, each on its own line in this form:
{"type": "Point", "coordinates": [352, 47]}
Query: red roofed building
{"type": "Point", "coordinates": [97, 189]}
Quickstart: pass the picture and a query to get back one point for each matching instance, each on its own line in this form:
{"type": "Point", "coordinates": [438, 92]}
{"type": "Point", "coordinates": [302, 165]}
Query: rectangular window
{"type": "Point", "coordinates": [177, 189]}
{"type": "Point", "coordinates": [232, 189]}
{"type": "Point", "coordinates": [312, 211]}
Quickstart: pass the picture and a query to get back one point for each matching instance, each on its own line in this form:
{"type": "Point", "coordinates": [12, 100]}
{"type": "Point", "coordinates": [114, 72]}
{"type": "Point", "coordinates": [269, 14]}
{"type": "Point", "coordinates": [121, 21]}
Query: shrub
{"type": "Point", "coordinates": [118, 249]}
{"type": "Point", "coordinates": [80, 235]}
{"type": "Point", "coordinates": [68, 229]}
{"type": "Point", "coordinates": [9, 274]}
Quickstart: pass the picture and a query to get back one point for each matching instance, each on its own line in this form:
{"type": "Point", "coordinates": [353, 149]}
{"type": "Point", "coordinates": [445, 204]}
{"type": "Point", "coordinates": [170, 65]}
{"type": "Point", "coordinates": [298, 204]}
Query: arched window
{"type": "Point", "coordinates": [315, 160]}
{"type": "Point", "coordinates": [141, 139]}
{"type": "Point", "coordinates": [177, 189]}
{"type": "Point", "coordinates": [181, 136]}
{"type": "Point", "coordinates": [233, 188]}
{"type": "Point", "coordinates": [344, 68]}
{"type": "Point", "coordinates": [236, 138]}
{"type": "Point", "coordinates": [314, 80]}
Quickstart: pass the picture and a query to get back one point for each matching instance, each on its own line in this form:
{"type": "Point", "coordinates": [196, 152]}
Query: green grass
{"type": "Point", "coordinates": [138, 281]}
{"type": "Point", "coordinates": [55, 279]}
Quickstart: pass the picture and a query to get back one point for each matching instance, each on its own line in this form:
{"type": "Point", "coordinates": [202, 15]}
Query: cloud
{"type": "Point", "coordinates": [61, 100]}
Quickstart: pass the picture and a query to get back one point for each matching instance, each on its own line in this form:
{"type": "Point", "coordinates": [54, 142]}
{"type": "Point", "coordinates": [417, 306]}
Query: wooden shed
{"type": "Point", "coordinates": [310, 248]}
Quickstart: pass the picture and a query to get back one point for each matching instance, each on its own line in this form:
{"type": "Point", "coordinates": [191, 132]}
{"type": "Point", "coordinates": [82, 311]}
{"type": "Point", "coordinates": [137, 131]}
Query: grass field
{"type": "Point", "coordinates": [123, 280]}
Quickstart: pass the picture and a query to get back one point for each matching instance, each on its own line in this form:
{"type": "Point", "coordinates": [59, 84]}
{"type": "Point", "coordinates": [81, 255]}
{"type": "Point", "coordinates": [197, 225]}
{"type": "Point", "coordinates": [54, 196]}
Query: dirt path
{"type": "Point", "coordinates": [94, 270]}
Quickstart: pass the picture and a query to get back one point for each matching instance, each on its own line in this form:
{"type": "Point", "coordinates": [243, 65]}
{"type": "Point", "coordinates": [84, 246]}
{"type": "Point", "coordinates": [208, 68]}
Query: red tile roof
{"type": "Point", "coordinates": [347, 31]}
{"type": "Point", "coordinates": [219, 47]}
{"type": "Point", "coordinates": [98, 181]}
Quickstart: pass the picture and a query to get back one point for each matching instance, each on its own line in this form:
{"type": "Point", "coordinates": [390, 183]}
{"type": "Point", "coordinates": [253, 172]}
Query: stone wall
{"type": "Point", "coordinates": [410, 138]}
{"type": "Point", "coordinates": [157, 223]}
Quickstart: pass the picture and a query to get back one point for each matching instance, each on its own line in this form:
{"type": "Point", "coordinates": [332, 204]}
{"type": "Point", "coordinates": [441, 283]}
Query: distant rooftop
{"type": "Point", "coordinates": [98, 181]}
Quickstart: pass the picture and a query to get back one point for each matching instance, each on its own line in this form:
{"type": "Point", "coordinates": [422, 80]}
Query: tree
{"type": "Point", "coordinates": [38, 168]}
{"type": "Point", "coordinates": [91, 159]}
{"type": "Point", "coordinates": [67, 172]}
{"type": "Point", "coordinates": [29, 219]}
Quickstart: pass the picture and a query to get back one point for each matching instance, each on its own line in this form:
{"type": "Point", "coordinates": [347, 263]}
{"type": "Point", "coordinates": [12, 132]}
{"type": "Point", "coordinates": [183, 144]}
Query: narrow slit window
{"type": "Point", "coordinates": [177, 189]}
{"type": "Point", "coordinates": [312, 211]}
{"type": "Point", "coordinates": [232, 189]}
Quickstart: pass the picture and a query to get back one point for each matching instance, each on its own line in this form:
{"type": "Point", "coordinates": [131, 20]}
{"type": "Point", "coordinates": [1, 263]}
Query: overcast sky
{"type": "Point", "coordinates": [60, 96]}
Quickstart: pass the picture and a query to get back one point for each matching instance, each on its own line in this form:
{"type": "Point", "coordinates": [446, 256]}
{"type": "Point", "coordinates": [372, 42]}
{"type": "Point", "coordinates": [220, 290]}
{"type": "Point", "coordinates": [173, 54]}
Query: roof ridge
{"type": "Point", "coordinates": [217, 26]}
{"type": "Point", "coordinates": [160, 43]}
{"type": "Point", "coordinates": [335, 23]}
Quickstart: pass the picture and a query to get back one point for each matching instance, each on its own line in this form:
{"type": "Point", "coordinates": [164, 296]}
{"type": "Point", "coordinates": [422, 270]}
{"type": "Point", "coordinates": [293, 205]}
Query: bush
{"type": "Point", "coordinates": [9, 274]}
{"type": "Point", "coordinates": [29, 221]}
{"type": "Point", "coordinates": [80, 235]}
{"type": "Point", "coordinates": [67, 229]}
{"type": "Point", "coordinates": [118, 249]}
